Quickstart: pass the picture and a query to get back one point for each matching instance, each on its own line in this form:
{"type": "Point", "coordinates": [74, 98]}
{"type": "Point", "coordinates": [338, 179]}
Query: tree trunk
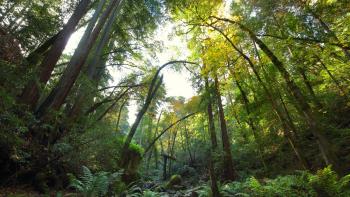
{"type": "Point", "coordinates": [213, 179]}
{"type": "Point", "coordinates": [211, 129]}
{"type": "Point", "coordinates": [151, 94]}
{"type": "Point", "coordinates": [336, 82]}
{"type": "Point", "coordinates": [188, 146]}
{"type": "Point", "coordinates": [324, 145]}
{"type": "Point", "coordinates": [251, 122]}
{"type": "Point", "coordinates": [120, 115]}
{"type": "Point", "coordinates": [287, 126]}
{"type": "Point", "coordinates": [310, 88]}
{"type": "Point", "coordinates": [229, 172]}
{"type": "Point", "coordinates": [31, 94]}
{"type": "Point", "coordinates": [210, 116]}
{"type": "Point", "coordinates": [91, 70]}
{"type": "Point", "coordinates": [59, 93]}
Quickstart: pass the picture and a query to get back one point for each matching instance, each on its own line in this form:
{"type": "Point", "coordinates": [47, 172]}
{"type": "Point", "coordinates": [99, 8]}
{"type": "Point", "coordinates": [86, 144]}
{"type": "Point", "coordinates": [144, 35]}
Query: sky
{"type": "Point", "coordinates": [175, 48]}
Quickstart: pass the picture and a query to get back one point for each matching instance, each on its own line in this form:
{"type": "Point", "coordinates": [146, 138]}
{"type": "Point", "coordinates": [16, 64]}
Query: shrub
{"type": "Point", "coordinates": [324, 183]}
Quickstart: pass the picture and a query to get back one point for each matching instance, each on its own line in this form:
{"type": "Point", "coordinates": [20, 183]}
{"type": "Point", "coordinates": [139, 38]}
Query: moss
{"type": "Point", "coordinates": [136, 148]}
{"type": "Point", "coordinates": [175, 180]}
{"type": "Point", "coordinates": [132, 163]}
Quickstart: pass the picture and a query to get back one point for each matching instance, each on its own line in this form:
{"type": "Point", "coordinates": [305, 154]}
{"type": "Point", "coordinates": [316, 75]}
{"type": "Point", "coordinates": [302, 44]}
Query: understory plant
{"type": "Point", "coordinates": [324, 183]}
{"type": "Point", "coordinates": [98, 184]}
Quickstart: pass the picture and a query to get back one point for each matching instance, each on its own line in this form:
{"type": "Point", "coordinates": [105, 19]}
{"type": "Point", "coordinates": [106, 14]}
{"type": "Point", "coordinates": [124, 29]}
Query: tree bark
{"type": "Point", "coordinates": [120, 115]}
{"type": "Point", "coordinates": [31, 94]}
{"type": "Point", "coordinates": [324, 145]}
{"type": "Point", "coordinates": [303, 106]}
{"type": "Point", "coordinates": [229, 172]}
{"type": "Point", "coordinates": [287, 126]}
{"type": "Point", "coordinates": [310, 88]}
{"type": "Point", "coordinates": [211, 123]}
{"type": "Point", "coordinates": [211, 129]}
{"type": "Point", "coordinates": [91, 71]}
{"type": "Point", "coordinates": [59, 93]}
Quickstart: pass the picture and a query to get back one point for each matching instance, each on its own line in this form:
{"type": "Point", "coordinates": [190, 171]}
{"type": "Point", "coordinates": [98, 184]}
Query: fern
{"type": "Point", "coordinates": [90, 184]}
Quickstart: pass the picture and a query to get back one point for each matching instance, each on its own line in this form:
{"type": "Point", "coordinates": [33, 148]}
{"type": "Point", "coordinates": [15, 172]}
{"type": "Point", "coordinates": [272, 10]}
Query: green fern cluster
{"type": "Point", "coordinates": [90, 184]}
{"type": "Point", "coordinates": [304, 184]}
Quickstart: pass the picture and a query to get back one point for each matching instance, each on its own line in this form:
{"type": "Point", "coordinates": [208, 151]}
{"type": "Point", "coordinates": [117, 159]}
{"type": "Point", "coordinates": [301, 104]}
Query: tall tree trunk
{"type": "Point", "coordinates": [91, 71]}
{"type": "Point", "coordinates": [211, 129]}
{"type": "Point", "coordinates": [30, 94]}
{"type": "Point", "coordinates": [172, 149]}
{"type": "Point", "coordinates": [310, 88]}
{"type": "Point", "coordinates": [152, 90]}
{"type": "Point", "coordinates": [149, 138]}
{"type": "Point", "coordinates": [120, 115]}
{"type": "Point", "coordinates": [151, 94]}
{"type": "Point", "coordinates": [213, 179]}
{"type": "Point", "coordinates": [210, 116]}
{"type": "Point", "coordinates": [303, 106]}
{"type": "Point", "coordinates": [229, 172]}
{"type": "Point", "coordinates": [188, 146]}
{"type": "Point", "coordinates": [288, 127]}
{"type": "Point", "coordinates": [251, 122]}
{"type": "Point", "coordinates": [155, 135]}
{"type": "Point", "coordinates": [324, 145]}
{"type": "Point", "coordinates": [59, 93]}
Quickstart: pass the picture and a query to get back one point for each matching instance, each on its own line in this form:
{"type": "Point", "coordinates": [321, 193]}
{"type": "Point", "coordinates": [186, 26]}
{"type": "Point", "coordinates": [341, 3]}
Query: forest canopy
{"type": "Point", "coordinates": [270, 115]}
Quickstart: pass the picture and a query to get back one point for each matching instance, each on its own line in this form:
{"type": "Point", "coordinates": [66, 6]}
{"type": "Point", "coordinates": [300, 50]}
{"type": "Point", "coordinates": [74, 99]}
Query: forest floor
{"type": "Point", "coordinates": [184, 189]}
{"type": "Point", "coordinates": [30, 192]}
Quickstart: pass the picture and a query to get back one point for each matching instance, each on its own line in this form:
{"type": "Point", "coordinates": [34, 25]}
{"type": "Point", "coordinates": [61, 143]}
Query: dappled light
{"type": "Point", "coordinates": [182, 98]}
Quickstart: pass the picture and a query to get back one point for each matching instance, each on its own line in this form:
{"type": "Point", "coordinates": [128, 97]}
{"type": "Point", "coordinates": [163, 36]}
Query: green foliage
{"type": "Point", "coordinates": [136, 148]}
{"type": "Point", "coordinates": [204, 191]}
{"type": "Point", "coordinates": [148, 193]}
{"type": "Point", "coordinates": [324, 183]}
{"type": "Point", "coordinates": [327, 183]}
{"type": "Point", "coordinates": [90, 184]}
{"type": "Point", "coordinates": [173, 181]}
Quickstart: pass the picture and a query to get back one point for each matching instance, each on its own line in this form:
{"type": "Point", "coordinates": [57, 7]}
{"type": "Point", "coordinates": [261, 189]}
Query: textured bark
{"type": "Point", "coordinates": [59, 93]}
{"type": "Point", "coordinates": [76, 109]}
{"type": "Point", "coordinates": [211, 123]}
{"type": "Point", "coordinates": [211, 129]}
{"type": "Point", "coordinates": [213, 179]}
{"type": "Point", "coordinates": [92, 73]}
{"type": "Point", "coordinates": [33, 58]}
{"type": "Point", "coordinates": [31, 94]}
{"type": "Point", "coordinates": [229, 172]}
